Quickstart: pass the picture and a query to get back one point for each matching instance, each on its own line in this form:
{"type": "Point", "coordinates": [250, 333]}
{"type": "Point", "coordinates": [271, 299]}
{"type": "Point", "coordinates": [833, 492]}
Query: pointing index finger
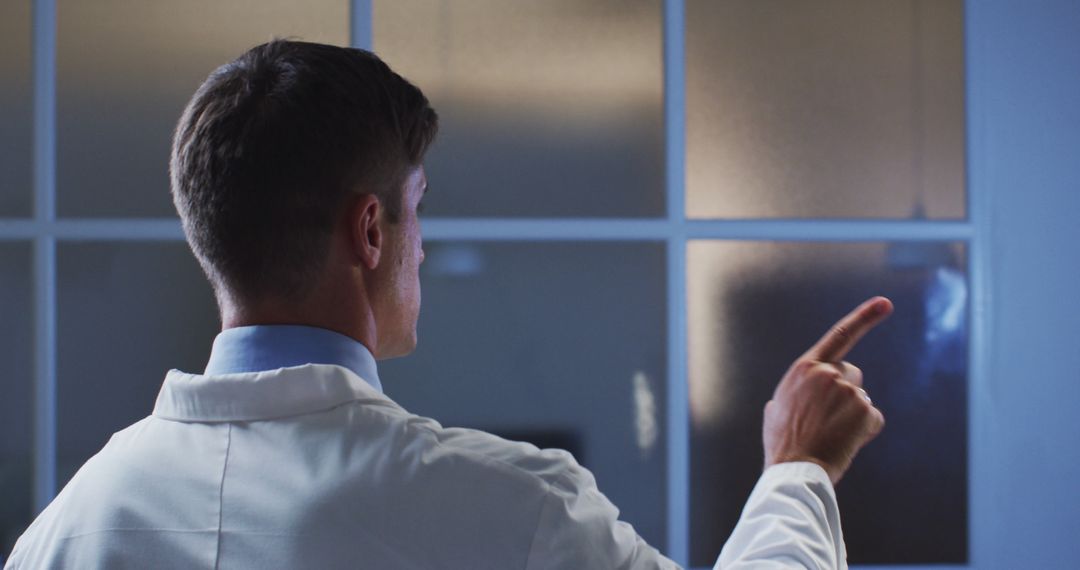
{"type": "Point", "coordinates": [847, 332]}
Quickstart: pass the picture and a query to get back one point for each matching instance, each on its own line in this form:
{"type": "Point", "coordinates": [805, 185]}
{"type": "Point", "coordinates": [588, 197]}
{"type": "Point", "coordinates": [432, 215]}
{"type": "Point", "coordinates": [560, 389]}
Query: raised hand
{"type": "Point", "coordinates": [819, 411]}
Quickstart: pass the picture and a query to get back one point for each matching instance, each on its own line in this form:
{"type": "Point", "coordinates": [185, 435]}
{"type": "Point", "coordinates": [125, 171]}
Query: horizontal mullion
{"type": "Point", "coordinates": [829, 230]}
{"type": "Point", "coordinates": [94, 229]}
{"type": "Point", "coordinates": [546, 229]}
{"type": "Point", "coordinates": [19, 229]}
{"type": "Point", "coordinates": [543, 229]}
{"type": "Point", "coordinates": [654, 229]}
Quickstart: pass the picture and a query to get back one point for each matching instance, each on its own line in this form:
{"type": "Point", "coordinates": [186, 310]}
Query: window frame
{"type": "Point", "coordinates": [44, 230]}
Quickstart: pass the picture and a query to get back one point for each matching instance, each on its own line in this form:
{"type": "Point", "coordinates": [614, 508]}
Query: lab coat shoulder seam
{"type": "Point", "coordinates": [404, 415]}
{"type": "Point", "coordinates": [544, 483]}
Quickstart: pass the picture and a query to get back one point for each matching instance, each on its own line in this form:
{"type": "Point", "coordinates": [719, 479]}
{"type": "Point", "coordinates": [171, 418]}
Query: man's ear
{"type": "Point", "coordinates": [365, 230]}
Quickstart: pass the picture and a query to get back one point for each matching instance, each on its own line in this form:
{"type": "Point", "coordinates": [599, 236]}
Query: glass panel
{"type": "Point", "coordinates": [562, 345]}
{"type": "Point", "coordinates": [125, 70]}
{"type": "Point", "coordinates": [830, 109]}
{"type": "Point", "coordinates": [16, 109]}
{"type": "Point", "coordinates": [128, 312]}
{"type": "Point", "coordinates": [17, 403]}
{"type": "Point", "coordinates": [755, 307]}
{"type": "Point", "coordinates": [547, 108]}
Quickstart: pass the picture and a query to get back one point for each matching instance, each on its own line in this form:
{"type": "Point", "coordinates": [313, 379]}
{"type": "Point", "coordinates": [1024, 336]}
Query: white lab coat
{"type": "Point", "coordinates": [311, 467]}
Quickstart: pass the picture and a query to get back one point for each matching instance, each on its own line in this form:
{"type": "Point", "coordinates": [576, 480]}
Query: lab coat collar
{"type": "Point", "coordinates": [270, 394]}
{"type": "Point", "coordinates": [267, 347]}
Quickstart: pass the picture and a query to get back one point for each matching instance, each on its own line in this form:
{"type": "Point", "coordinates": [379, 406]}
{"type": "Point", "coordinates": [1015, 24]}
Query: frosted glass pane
{"type": "Point", "coordinates": [16, 109]}
{"type": "Point", "coordinates": [562, 345]}
{"type": "Point", "coordinates": [754, 307]}
{"type": "Point", "coordinates": [547, 108]}
{"type": "Point", "coordinates": [17, 403]}
{"type": "Point", "coordinates": [128, 312]}
{"type": "Point", "coordinates": [126, 68]}
{"type": "Point", "coordinates": [825, 109]}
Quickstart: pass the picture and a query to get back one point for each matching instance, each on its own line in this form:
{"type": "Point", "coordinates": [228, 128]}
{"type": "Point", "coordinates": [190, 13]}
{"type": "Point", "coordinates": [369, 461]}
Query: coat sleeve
{"type": "Point", "coordinates": [790, 521]}
{"type": "Point", "coordinates": [578, 527]}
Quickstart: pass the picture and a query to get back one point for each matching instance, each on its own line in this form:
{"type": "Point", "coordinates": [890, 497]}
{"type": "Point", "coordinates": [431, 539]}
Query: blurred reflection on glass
{"type": "Point", "coordinates": [125, 69]}
{"type": "Point", "coordinates": [16, 109]}
{"type": "Point", "coordinates": [825, 109]}
{"type": "Point", "coordinates": [547, 108]}
{"type": "Point", "coordinates": [17, 403]}
{"type": "Point", "coordinates": [128, 312]}
{"type": "Point", "coordinates": [558, 344]}
{"type": "Point", "coordinates": [756, 306]}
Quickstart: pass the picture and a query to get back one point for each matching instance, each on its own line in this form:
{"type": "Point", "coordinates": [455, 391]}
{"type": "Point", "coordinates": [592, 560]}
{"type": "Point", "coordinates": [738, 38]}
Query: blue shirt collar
{"type": "Point", "coordinates": [269, 347]}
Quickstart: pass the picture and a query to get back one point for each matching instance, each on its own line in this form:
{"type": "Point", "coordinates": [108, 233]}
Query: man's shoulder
{"type": "Point", "coordinates": [473, 449]}
{"type": "Point", "coordinates": [554, 467]}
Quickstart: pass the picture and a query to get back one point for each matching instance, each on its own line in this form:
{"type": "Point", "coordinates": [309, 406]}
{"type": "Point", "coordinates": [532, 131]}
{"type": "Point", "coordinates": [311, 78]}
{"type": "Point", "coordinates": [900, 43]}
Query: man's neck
{"type": "Point", "coordinates": [351, 319]}
{"type": "Point", "coordinates": [270, 347]}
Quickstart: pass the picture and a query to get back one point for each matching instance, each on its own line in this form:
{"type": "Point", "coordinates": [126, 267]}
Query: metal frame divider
{"type": "Point", "coordinates": [980, 262]}
{"type": "Point", "coordinates": [44, 180]}
{"type": "Point", "coordinates": [678, 397]}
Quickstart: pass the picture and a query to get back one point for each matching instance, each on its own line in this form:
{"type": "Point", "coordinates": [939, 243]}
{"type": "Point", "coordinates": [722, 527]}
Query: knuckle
{"type": "Point", "coordinates": [832, 375]}
{"type": "Point", "coordinates": [822, 370]}
{"type": "Point", "coordinates": [853, 399]}
{"type": "Point", "coordinates": [802, 367]}
{"type": "Point", "coordinates": [826, 384]}
{"type": "Point", "coordinates": [851, 372]}
{"type": "Point", "coordinates": [822, 380]}
{"type": "Point", "coordinates": [841, 331]}
{"type": "Point", "coordinates": [851, 392]}
{"type": "Point", "coordinates": [827, 392]}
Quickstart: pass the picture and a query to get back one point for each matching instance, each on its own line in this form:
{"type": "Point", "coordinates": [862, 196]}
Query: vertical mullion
{"type": "Point", "coordinates": [678, 423]}
{"type": "Point", "coordinates": [44, 371]}
{"type": "Point", "coordinates": [360, 26]}
{"type": "Point", "coordinates": [44, 50]}
{"type": "Point", "coordinates": [678, 480]}
{"type": "Point", "coordinates": [675, 108]}
{"type": "Point", "coordinates": [979, 211]}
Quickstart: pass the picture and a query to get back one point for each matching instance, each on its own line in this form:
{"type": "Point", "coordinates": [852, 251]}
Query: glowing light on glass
{"type": "Point", "coordinates": [753, 307]}
{"type": "Point", "coordinates": [825, 109]}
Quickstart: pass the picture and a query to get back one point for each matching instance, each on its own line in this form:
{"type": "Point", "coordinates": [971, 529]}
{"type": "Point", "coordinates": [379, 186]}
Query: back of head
{"type": "Point", "coordinates": [270, 147]}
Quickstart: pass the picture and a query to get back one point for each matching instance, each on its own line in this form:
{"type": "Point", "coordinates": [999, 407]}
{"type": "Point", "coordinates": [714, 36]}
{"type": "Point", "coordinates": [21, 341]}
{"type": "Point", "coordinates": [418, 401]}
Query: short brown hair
{"type": "Point", "coordinates": [271, 145]}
